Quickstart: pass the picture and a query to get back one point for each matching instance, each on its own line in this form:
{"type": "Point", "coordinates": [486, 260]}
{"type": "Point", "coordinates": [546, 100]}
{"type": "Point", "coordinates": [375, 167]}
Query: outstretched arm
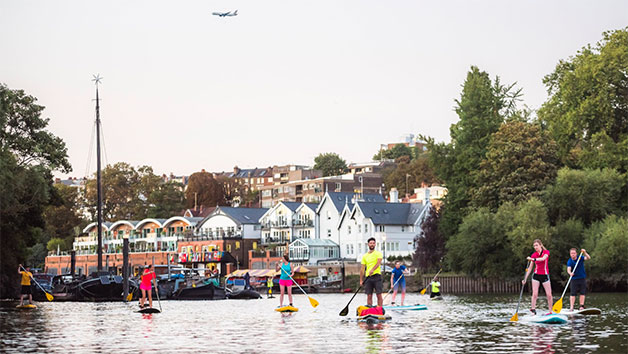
{"type": "Point", "coordinates": [586, 255]}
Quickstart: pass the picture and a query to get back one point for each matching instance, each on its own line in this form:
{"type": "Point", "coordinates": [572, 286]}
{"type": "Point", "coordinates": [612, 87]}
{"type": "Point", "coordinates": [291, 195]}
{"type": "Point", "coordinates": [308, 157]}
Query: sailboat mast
{"type": "Point", "coordinates": [98, 179]}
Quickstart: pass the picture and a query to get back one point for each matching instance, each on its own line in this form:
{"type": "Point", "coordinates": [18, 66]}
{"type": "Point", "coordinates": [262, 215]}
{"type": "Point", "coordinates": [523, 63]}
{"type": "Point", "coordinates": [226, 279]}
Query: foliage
{"type": "Point", "coordinates": [587, 195]}
{"type": "Point", "coordinates": [166, 200]}
{"type": "Point", "coordinates": [62, 217]}
{"type": "Point", "coordinates": [431, 245]}
{"type": "Point", "coordinates": [397, 151]}
{"type": "Point", "coordinates": [587, 111]}
{"type": "Point", "coordinates": [330, 163]}
{"type": "Point", "coordinates": [482, 107]}
{"type": "Point", "coordinates": [607, 242]}
{"type": "Point", "coordinates": [205, 189]}
{"type": "Point", "coordinates": [58, 243]}
{"type": "Point", "coordinates": [418, 172]}
{"type": "Point", "coordinates": [520, 162]}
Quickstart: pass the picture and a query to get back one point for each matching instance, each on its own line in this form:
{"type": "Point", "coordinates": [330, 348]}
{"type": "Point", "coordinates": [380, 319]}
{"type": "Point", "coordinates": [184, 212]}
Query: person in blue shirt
{"type": "Point", "coordinates": [398, 280]}
{"type": "Point", "coordinates": [579, 276]}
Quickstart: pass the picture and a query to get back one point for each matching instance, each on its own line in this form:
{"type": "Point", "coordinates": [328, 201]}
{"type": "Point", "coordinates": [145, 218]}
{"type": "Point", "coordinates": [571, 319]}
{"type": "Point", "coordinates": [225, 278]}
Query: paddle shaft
{"type": "Point", "coordinates": [432, 280]}
{"type": "Point", "coordinates": [352, 297]}
{"type": "Point", "coordinates": [294, 281]}
{"type": "Point", "coordinates": [574, 269]}
{"type": "Point", "coordinates": [42, 289]}
{"type": "Point", "coordinates": [525, 277]}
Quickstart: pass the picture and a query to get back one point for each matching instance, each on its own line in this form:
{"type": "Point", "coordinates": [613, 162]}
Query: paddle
{"type": "Point", "coordinates": [515, 317]}
{"type": "Point", "coordinates": [425, 288]}
{"type": "Point", "coordinates": [345, 311]}
{"type": "Point", "coordinates": [157, 292]}
{"type": "Point", "coordinates": [558, 306]}
{"type": "Point", "coordinates": [48, 296]}
{"type": "Point", "coordinates": [313, 302]}
{"type": "Point", "coordinates": [391, 289]}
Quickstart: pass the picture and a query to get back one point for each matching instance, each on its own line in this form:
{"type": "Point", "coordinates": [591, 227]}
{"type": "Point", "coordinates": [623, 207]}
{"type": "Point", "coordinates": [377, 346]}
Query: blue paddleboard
{"type": "Point", "coordinates": [553, 318]}
{"type": "Point", "coordinates": [406, 308]}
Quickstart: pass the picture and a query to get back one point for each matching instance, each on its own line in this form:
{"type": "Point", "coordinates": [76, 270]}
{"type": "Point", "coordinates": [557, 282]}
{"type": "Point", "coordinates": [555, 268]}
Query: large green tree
{"type": "Point", "coordinates": [520, 161]}
{"type": "Point", "coordinates": [28, 154]}
{"type": "Point", "coordinates": [62, 217]}
{"type": "Point", "coordinates": [587, 111]}
{"type": "Point", "coordinates": [415, 172]}
{"type": "Point", "coordinates": [330, 163]}
{"type": "Point", "coordinates": [482, 107]}
{"type": "Point", "coordinates": [203, 189]}
{"type": "Point", "coordinates": [397, 151]}
{"type": "Point", "coordinates": [166, 200]}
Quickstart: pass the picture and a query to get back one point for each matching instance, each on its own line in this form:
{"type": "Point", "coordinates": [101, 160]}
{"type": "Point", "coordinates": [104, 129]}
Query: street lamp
{"type": "Point", "coordinates": [384, 247]}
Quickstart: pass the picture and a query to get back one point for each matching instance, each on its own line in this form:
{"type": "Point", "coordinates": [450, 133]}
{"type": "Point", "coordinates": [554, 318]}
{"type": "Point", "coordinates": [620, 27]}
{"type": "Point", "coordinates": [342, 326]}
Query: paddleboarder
{"type": "Point", "coordinates": [398, 280]}
{"type": "Point", "coordinates": [540, 257]}
{"type": "Point", "coordinates": [269, 284]}
{"type": "Point", "coordinates": [147, 286]}
{"type": "Point", "coordinates": [579, 276]}
{"type": "Point", "coordinates": [285, 279]}
{"type": "Point", "coordinates": [26, 284]}
{"type": "Point", "coordinates": [371, 266]}
{"type": "Point", "coordinates": [435, 291]}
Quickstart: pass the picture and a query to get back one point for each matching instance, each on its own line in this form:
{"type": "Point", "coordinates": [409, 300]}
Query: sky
{"type": "Point", "coordinates": [283, 81]}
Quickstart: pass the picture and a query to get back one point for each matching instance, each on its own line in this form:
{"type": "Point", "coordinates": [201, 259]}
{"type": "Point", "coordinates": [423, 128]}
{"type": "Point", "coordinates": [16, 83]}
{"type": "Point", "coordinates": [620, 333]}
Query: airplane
{"type": "Point", "coordinates": [223, 14]}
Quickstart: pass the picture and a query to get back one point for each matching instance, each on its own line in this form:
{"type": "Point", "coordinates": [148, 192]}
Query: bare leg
{"type": "Point", "coordinates": [380, 300]}
{"type": "Point", "coordinates": [143, 298]}
{"type": "Point", "coordinates": [394, 296]}
{"type": "Point", "coordinates": [403, 295]}
{"type": "Point", "coordinates": [290, 294]}
{"type": "Point", "coordinates": [22, 300]}
{"type": "Point", "coordinates": [369, 299]}
{"type": "Point", "coordinates": [535, 292]}
{"type": "Point", "coordinates": [572, 301]}
{"type": "Point", "coordinates": [548, 292]}
{"type": "Point", "coordinates": [282, 289]}
{"type": "Point", "coordinates": [150, 298]}
{"type": "Point", "coordinates": [30, 298]}
{"type": "Point", "coordinates": [581, 300]}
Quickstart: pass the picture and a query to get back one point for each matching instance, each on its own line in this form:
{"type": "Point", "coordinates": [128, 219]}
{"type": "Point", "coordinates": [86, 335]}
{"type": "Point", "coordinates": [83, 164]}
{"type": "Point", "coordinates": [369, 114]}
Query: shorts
{"type": "Point", "coordinates": [26, 290]}
{"type": "Point", "coordinates": [285, 282]}
{"type": "Point", "coordinates": [578, 286]}
{"type": "Point", "coordinates": [542, 278]}
{"type": "Point", "coordinates": [434, 294]}
{"type": "Point", "coordinates": [146, 287]}
{"type": "Point", "coordinates": [400, 284]}
{"type": "Point", "coordinates": [373, 282]}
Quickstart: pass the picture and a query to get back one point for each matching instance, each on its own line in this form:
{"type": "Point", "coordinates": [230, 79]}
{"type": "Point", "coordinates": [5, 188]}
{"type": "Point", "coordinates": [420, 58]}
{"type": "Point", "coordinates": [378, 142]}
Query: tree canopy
{"type": "Point", "coordinates": [204, 190]}
{"type": "Point", "coordinates": [330, 163]}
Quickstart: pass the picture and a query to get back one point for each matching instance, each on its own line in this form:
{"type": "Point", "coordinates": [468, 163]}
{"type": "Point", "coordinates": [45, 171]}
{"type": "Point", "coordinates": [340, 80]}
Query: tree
{"type": "Point", "coordinates": [397, 151]}
{"type": "Point", "coordinates": [166, 200]}
{"type": "Point", "coordinates": [330, 163]}
{"type": "Point", "coordinates": [417, 171]}
{"type": "Point", "coordinates": [587, 108]}
{"type": "Point", "coordinates": [608, 239]}
{"type": "Point", "coordinates": [57, 244]}
{"type": "Point", "coordinates": [62, 217]}
{"type": "Point", "coordinates": [120, 193]}
{"type": "Point", "coordinates": [587, 195]}
{"type": "Point", "coordinates": [520, 162]}
{"type": "Point", "coordinates": [203, 189]}
{"type": "Point", "coordinates": [28, 153]}
{"type": "Point", "coordinates": [431, 245]}
{"type": "Point", "coordinates": [482, 107]}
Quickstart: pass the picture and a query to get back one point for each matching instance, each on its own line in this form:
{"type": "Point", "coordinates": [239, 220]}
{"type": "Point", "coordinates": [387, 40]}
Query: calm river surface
{"type": "Point", "coordinates": [462, 324]}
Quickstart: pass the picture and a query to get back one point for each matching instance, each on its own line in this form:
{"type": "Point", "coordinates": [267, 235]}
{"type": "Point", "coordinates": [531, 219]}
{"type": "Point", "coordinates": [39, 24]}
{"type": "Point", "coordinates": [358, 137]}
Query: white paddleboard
{"type": "Point", "coordinates": [589, 311]}
{"type": "Point", "coordinates": [406, 308]}
{"type": "Point", "coordinates": [553, 318]}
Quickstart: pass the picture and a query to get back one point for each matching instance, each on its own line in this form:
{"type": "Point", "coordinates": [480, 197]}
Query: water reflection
{"type": "Point", "coordinates": [458, 325]}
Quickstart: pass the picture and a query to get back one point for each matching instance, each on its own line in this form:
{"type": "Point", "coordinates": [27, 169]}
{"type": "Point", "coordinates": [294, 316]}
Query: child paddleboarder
{"type": "Point", "coordinates": [540, 257]}
{"type": "Point", "coordinates": [285, 279]}
{"type": "Point", "coordinates": [146, 286]}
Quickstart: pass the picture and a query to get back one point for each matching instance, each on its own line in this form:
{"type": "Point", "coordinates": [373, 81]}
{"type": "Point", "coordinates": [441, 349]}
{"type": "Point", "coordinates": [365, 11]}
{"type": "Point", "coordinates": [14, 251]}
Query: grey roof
{"type": "Point", "coordinates": [244, 215]}
{"type": "Point", "coordinates": [387, 213]}
{"type": "Point", "coordinates": [193, 220]}
{"type": "Point", "coordinates": [317, 242]}
{"type": "Point", "coordinates": [292, 205]}
{"type": "Point", "coordinates": [312, 206]}
{"type": "Point", "coordinates": [415, 212]}
{"type": "Point", "coordinates": [340, 198]}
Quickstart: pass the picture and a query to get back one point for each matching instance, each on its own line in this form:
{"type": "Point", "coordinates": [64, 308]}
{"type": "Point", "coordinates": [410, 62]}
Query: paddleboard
{"type": "Point", "coordinates": [287, 309]}
{"type": "Point", "coordinates": [374, 318]}
{"type": "Point", "coordinates": [406, 307]}
{"type": "Point", "coordinates": [590, 311]}
{"type": "Point", "coordinates": [149, 310]}
{"type": "Point", "coordinates": [553, 318]}
{"type": "Point", "coordinates": [26, 307]}
{"type": "Point", "coordinates": [437, 298]}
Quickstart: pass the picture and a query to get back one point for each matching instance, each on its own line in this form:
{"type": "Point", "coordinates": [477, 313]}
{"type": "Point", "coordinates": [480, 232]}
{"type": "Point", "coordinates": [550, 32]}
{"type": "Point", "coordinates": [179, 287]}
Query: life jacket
{"type": "Point", "coordinates": [365, 310]}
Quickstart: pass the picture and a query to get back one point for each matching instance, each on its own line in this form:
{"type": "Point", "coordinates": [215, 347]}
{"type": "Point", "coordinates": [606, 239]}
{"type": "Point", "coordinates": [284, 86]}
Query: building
{"type": "Point", "coordinates": [409, 140]}
{"type": "Point", "coordinates": [370, 167]}
{"type": "Point", "coordinates": [306, 251]}
{"type": "Point", "coordinates": [287, 221]}
{"type": "Point", "coordinates": [313, 190]}
{"type": "Point", "coordinates": [331, 207]}
{"type": "Point", "coordinates": [393, 225]}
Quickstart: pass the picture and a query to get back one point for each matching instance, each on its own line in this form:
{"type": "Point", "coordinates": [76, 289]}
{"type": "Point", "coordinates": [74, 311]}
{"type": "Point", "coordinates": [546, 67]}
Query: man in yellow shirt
{"type": "Point", "coordinates": [371, 262]}
{"type": "Point", "coordinates": [26, 284]}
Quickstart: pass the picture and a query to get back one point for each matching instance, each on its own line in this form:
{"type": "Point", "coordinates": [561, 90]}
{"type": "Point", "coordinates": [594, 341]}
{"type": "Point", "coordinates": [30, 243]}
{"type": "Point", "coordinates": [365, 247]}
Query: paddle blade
{"type": "Point", "coordinates": [49, 297]}
{"type": "Point", "coordinates": [344, 311]}
{"type": "Point", "coordinates": [423, 291]}
{"type": "Point", "coordinates": [129, 297]}
{"type": "Point", "coordinates": [313, 302]}
{"type": "Point", "coordinates": [515, 318]}
{"type": "Point", "coordinates": [558, 306]}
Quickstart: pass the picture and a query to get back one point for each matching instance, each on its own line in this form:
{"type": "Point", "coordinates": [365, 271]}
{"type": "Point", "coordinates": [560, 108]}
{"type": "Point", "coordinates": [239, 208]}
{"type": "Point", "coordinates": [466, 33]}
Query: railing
{"type": "Point", "coordinates": [272, 240]}
{"type": "Point", "coordinates": [468, 285]}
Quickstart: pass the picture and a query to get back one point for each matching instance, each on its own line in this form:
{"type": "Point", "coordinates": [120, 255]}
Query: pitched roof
{"type": "Point", "coordinates": [200, 213]}
{"type": "Point", "coordinates": [340, 198]}
{"type": "Point", "coordinates": [292, 205]}
{"type": "Point", "coordinates": [244, 215]}
{"type": "Point", "coordinates": [386, 213]}
{"type": "Point", "coordinates": [416, 211]}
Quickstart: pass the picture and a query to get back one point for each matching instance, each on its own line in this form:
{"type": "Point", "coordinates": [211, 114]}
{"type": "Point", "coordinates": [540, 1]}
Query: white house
{"type": "Point", "coordinates": [394, 226]}
{"type": "Point", "coordinates": [331, 207]}
{"type": "Point", "coordinates": [287, 221]}
{"type": "Point", "coordinates": [308, 251]}
{"type": "Point", "coordinates": [229, 222]}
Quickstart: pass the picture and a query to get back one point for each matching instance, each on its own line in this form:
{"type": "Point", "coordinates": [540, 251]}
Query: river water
{"type": "Point", "coordinates": [460, 324]}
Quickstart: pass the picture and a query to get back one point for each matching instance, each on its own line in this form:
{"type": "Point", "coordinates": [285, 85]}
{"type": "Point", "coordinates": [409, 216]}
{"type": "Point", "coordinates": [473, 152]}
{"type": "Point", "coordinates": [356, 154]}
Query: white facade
{"type": "Point", "coordinates": [231, 223]}
{"type": "Point", "coordinates": [307, 251]}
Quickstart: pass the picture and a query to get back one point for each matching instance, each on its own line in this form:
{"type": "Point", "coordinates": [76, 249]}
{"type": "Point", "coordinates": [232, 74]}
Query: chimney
{"type": "Point", "coordinates": [394, 195]}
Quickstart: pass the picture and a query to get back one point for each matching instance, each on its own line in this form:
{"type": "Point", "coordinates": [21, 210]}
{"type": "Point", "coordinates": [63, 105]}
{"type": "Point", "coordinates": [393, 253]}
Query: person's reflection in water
{"type": "Point", "coordinates": [376, 337]}
{"type": "Point", "coordinates": [543, 338]}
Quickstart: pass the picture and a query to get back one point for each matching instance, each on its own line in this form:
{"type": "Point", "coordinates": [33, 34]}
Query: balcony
{"type": "Point", "coordinates": [304, 223]}
{"type": "Point", "coordinates": [270, 240]}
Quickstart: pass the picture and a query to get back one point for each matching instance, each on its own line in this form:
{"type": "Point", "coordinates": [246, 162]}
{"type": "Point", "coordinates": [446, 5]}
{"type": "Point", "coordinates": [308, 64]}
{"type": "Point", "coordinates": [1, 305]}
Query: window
{"type": "Point", "coordinates": [328, 215]}
{"type": "Point", "coordinates": [347, 249]}
{"type": "Point", "coordinates": [338, 187]}
{"type": "Point", "coordinates": [366, 228]}
{"type": "Point", "coordinates": [352, 249]}
{"type": "Point", "coordinates": [349, 229]}
{"type": "Point", "coordinates": [360, 228]}
{"type": "Point", "coordinates": [237, 245]}
{"type": "Point", "coordinates": [382, 228]}
{"type": "Point", "coordinates": [403, 228]}
{"type": "Point", "coordinates": [228, 248]}
{"type": "Point", "coordinates": [359, 247]}
{"type": "Point", "coordinates": [328, 232]}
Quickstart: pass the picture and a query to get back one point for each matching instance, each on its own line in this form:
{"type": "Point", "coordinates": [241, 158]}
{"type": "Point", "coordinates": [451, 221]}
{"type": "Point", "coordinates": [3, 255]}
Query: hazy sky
{"type": "Point", "coordinates": [284, 80]}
